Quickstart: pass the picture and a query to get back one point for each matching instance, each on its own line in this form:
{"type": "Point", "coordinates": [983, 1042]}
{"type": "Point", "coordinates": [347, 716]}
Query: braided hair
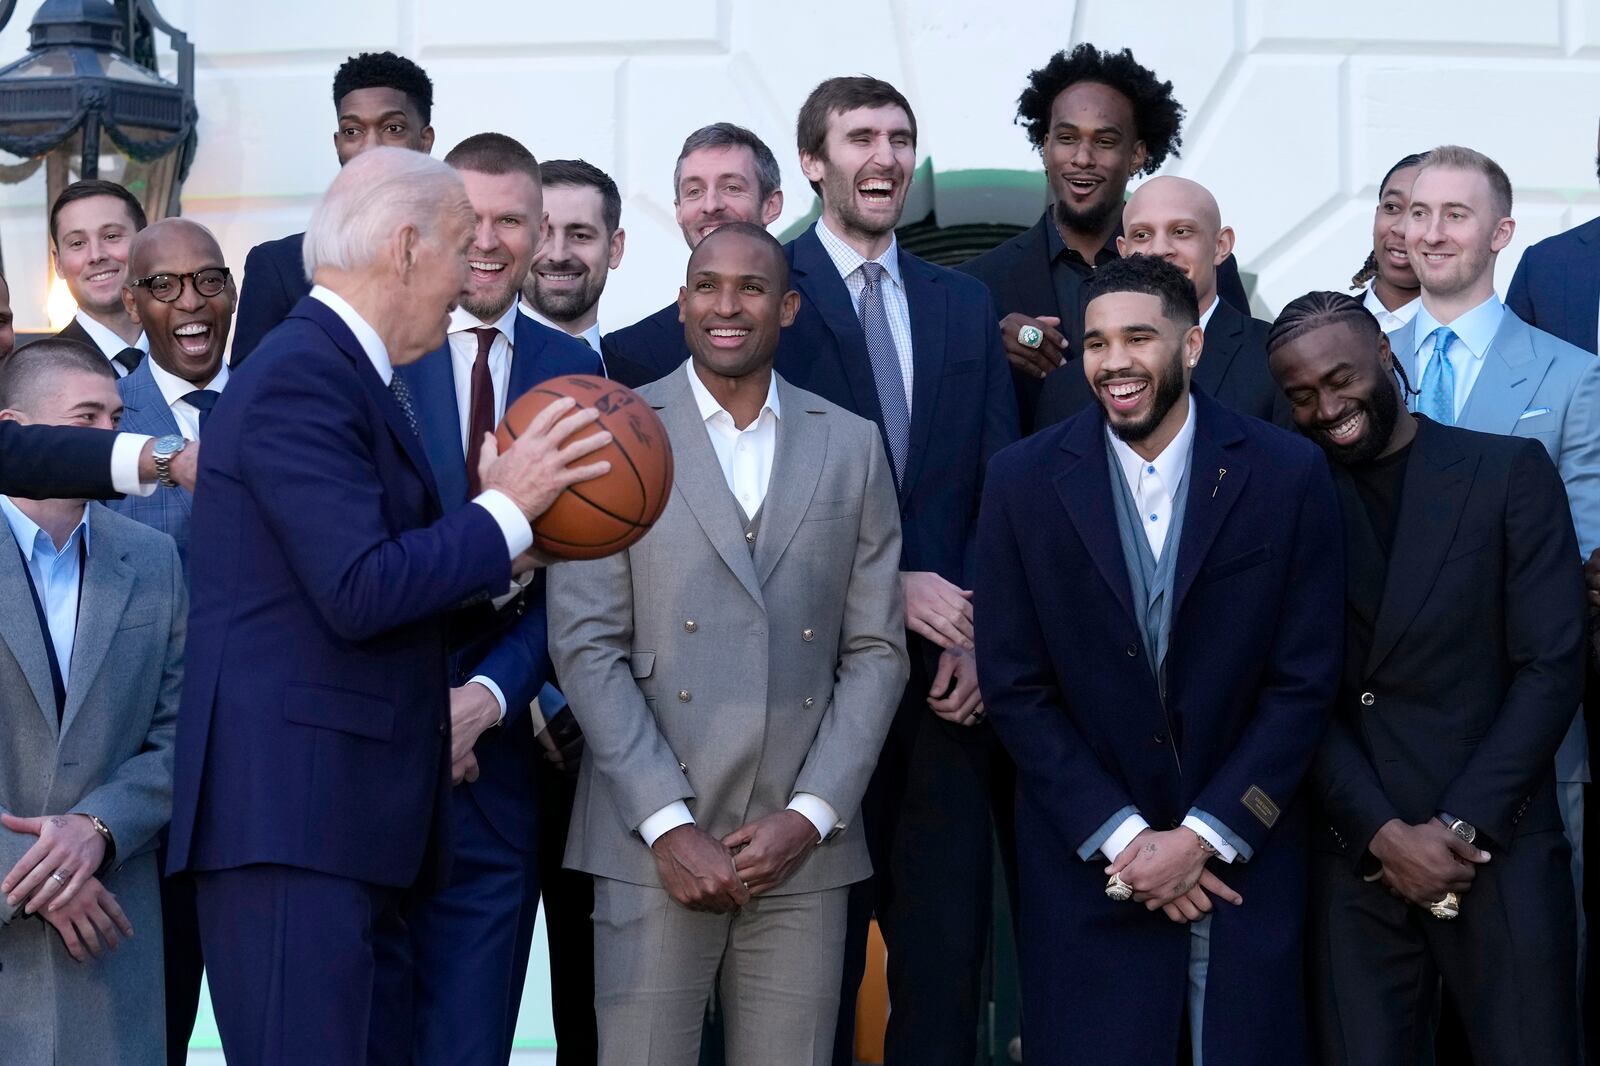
{"type": "Point", "coordinates": [1317, 309]}
{"type": "Point", "coordinates": [1369, 269]}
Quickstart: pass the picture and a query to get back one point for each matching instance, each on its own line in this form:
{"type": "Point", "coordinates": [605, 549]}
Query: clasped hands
{"type": "Point", "coordinates": [55, 879]}
{"type": "Point", "coordinates": [707, 874]}
{"type": "Point", "coordinates": [1167, 872]}
{"type": "Point", "coordinates": [942, 612]}
{"type": "Point", "coordinates": [1423, 862]}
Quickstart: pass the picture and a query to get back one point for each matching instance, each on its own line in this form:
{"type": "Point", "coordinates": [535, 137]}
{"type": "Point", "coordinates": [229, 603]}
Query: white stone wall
{"type": "Point", "coordinates": [1295, 109]}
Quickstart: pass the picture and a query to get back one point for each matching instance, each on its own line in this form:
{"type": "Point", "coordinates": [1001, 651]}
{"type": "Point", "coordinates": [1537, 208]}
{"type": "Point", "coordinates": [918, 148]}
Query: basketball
{"type": "Point", "coordinates": [593, 519]}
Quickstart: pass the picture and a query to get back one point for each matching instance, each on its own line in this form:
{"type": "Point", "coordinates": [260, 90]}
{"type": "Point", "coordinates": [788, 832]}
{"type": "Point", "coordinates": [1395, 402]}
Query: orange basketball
{"type": "Point", "coordinates": [593, 519]}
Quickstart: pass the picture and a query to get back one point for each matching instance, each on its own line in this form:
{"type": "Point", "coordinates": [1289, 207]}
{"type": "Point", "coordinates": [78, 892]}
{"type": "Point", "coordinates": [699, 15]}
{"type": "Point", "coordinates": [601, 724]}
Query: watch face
{"type": "Point", "coordinates": [1464, 831]}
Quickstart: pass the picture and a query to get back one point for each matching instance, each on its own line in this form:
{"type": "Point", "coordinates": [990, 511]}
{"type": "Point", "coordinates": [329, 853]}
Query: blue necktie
{"type": "Point", "coordinates": [402, 396]}
{"type": "Point", "coordinates": [202, 400]}
{"type": "Point", "coordinates": [1438, 399]}
{"type": "Point", "coordinates": [886, 374]}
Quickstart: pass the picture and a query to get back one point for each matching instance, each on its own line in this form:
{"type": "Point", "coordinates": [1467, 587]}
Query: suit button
{"type": "Point", "coordinates": [1368, 699]}
{"type": "Point", "coordinates": [1160, 738]}
{"type": "Point", "coordinates": [808, 635]}
{"type": "Point", "coordinates": [750, 536]}
{"type": "Point", "coordinates": [809, 703]}
{"type": "Point", "coordinates": [441, 729]}
{"type": "Point", "coordinates": [690, 626]}
{"type": "Point", "coordinates": [1132, 650]}
{"type": "Point", "coordinates": [683, 695]}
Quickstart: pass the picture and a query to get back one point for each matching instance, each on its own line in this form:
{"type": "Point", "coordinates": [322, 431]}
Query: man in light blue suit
{"type": "Point", "coordinates": [1475, 364]}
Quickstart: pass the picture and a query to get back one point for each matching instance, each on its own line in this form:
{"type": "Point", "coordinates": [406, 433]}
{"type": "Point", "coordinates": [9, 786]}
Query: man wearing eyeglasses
{"type": "Point", "coordinates": [180, 292]}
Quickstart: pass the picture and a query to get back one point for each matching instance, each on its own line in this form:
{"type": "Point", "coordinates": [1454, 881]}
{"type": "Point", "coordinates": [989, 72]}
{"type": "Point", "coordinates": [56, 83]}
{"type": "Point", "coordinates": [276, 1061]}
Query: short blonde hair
{"type": "Point", "coordinates": [1459, 158]}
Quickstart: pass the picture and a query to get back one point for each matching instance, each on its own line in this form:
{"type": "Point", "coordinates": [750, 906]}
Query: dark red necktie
{"type": "Point", "coordinates": [480, 415]}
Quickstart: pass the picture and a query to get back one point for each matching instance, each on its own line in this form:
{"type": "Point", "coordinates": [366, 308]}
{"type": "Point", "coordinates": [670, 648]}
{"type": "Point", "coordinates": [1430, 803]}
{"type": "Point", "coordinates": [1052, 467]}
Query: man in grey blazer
{"type": "Point", "coordinates": [735, 673]}
{"type": "Point", "coordinates": [92, 617]}
{"type": "Point", "coordinates": [1473, 363]}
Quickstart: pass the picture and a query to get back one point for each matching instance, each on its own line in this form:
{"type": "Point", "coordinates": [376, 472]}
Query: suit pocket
{"type": "Point", "coordinates": [339, 709]}
{"type": "Point", "coordinates": [1254, 557]}
{"type": "Point", "coordinates": [823, 510]}
{"type": "Point", "coordinates": [642, 663]}
{"type": "Point", "coordinates": [1467, 547]}
{"type": "Point", "coordinates": [137, 620]}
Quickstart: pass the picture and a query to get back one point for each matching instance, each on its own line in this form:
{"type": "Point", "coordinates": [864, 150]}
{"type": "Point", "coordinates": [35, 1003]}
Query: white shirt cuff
{"type": "Point", "coordinates": [818, 811]}
{"type": "Point", "coordinates": [1122, 836]}
{"type": "Point", "coordinates": [125, 451]}
{"type": "Point", "coordinates": [1225, 851]}
{"type": "Point", "coordinates": [515, 527]}
{"type": "Point", "coordinates": [536, 715]}
{"type": "Point", "coordinates": [494, 690]}
{"type": "Point", "coordinates": [671, 816]}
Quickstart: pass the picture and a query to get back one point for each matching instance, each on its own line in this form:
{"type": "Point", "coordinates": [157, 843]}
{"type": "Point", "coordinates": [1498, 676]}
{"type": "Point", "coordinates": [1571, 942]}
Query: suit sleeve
{"type": "Point", "coordinates": [136, 801]}
{"type": "Point", "coordinates": [48, 462]}
{"type": "Point", "coordinates": [1349, 790]}
{"type": "Point", "coordinates": [264, 301]}
{"type": "Point", "coordinates": [1545, 625]}
{"type": "Point", "coordinates": [1517, 296]}
{"type": "Point", "coordinates": [1579, 460]}
{"type": "Point", "coordinates": [591, 635]}
{"type": "Point", "coordinates": [1262, 773]}
{"type": "Point", "coordinates": [1230, 286]}
{"type": "Point", "coordinates": [1000, 426]}
{"type": "Point", "coordinates": [309, 465]}
{"type": "Point", "coordinates": [873, 665]}
{"type": "Point", "coordinates": [1055, 765]}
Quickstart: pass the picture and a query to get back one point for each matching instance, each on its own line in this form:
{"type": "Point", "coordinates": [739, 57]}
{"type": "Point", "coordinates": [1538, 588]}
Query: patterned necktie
{"type": "Point", "coordinates": [202, 400]}
{"type": "Point", "coordinates": [129, 359]}
{"type": "Point", "coordinates": [886, 373]}
{"type": "Point", "coordinates": [1438, 399]}
{"type": "Point", "coordinates": [402, 396]}
{"type": "Point", "coordinates": [480, 412]}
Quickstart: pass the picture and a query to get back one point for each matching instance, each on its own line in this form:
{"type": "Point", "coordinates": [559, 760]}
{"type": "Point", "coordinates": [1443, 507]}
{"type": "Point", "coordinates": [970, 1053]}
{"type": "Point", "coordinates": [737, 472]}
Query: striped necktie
{"type": "Point", "coordinates": [886, 374]}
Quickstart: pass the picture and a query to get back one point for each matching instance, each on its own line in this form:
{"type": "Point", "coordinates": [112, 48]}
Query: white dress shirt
{"type": "Point", "coordinates": [109, 343]}
{"type": "Point", "coordinates": [1474, 332]}
{"type": "Point", "coordinates": [464, 353]}
{"type": "Point", "coordinates": [174, 389]}
{"type": "Point", "coordinates": [1205, 317]}
{"type": "Point", "coordinates": [745, 456]}
{"type": "Point", "coordinates": [56, 575]}
{"type": "Point", "coordinates": [848, 262]}
{"type": "Point", "coordinates": [1388, 320]}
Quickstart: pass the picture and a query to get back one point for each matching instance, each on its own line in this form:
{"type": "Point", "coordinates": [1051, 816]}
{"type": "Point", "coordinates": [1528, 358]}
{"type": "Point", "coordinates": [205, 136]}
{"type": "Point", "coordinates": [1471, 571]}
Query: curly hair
{"type": "Point", "coordinates": [1157, 116]}
{"type": "Point", "coordinates": [385, 70]}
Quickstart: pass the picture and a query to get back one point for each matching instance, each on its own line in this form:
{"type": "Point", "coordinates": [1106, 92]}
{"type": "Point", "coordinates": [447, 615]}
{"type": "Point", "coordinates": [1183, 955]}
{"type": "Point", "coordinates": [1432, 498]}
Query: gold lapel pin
{"type": "Point", "coordinates": [1220, 472]}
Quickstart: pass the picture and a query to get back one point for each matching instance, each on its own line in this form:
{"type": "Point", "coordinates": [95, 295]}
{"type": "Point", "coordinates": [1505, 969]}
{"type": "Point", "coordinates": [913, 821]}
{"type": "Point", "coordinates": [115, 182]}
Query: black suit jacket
{"type": "Point", "coordinates": [1476, 659]}
{"type": "Point", "coordinates": [51, 462]}
{"type": "Point", "coordinates": [1232, 370]}
{"type": "Point", "coordinates": [74, 331]}
{"type": "Point", "coordinates": [648, 350]}
{"type": "Point", "coordinates": [1018, 274]}
{"type": "Point", "coordinates": [274, 281]}
{"type": "Point", "coordinates": [622, 369]}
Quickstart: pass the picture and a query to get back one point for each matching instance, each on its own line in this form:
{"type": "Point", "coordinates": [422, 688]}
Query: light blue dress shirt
{"type": "Point", "coordinates": [56, 575]}
{"type": "Point", "coordinates": [1474, 332]}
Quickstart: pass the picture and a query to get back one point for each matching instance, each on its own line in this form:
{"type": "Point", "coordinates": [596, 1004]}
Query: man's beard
{"type": "Point", "coordinates": [1090, 221]}
{"type": "Point", "coordinates": [565, 306]}
{"type": "Point", "coordinates": [487, 307]}
{"type": "Point", "coordinates": [1382, 409]}
{"type": "Point", "coordinates": [1169, 390]}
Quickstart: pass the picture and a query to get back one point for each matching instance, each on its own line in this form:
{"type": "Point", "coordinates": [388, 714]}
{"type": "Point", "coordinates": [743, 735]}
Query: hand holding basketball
{"type": "Point", "coordinates": [536, 468]}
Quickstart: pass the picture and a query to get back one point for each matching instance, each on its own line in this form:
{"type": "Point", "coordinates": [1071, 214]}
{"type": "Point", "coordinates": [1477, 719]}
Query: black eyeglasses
{"type": "Point", "coordinates": [168, 287]}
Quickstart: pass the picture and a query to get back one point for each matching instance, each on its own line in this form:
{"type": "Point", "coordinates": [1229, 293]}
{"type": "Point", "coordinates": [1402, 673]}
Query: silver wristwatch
{"type": "Point", "coordinates": [1465, 830]}
{"type": "Point", "coordinates": [164, 451]}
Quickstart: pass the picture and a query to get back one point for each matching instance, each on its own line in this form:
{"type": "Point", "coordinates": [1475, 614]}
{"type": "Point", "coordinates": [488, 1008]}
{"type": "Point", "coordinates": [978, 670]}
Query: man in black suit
{"type": "Point", "coordinates": [57, 462]}
{"type": "Point", "coordinates": [724, 173]}
{"type": "Point", "coordinates": [1097, 119]}
{"type": "Point", "coordinates": [1441, 855]}
{"type": "Point", "coordinates": [92, 224]}
{"type": "Point", "coordinates": [1178, 220]}
{"type": "Point", "coordinates": [382, 99]}
{"type": "Point", "coordinates": [912, 347]}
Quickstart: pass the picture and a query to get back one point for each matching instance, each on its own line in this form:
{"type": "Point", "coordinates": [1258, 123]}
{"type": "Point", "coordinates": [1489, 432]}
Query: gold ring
{"type": "Point", "coordinates": [1118, 889]}
{"type": "Point", "coordinates": [1447, 908]}
{"type": "Point", "coordinates": [1030, 336]}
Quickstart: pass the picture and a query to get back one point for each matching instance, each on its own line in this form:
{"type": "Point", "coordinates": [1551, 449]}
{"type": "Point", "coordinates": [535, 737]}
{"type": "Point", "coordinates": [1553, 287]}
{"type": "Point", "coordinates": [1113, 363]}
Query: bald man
{"type": "Point", "coordinates": [1178, 220]}
{"type": "Point", "coordinates": [180, 293]}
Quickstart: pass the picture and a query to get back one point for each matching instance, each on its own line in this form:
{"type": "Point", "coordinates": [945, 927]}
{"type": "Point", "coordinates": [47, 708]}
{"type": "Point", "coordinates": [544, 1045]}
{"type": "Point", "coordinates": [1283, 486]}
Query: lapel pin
{"type": "Point", "coordinates": [1220, 472]}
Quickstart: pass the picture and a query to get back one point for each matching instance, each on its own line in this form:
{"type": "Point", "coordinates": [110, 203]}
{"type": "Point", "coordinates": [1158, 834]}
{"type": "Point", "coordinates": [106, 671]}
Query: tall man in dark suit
{"type": "Point", "coordinates": [312, 788]}
{"type": "Point", "coordinates": [382, 99]}
{"type": "Point", "coordinates": [1158, 593]}
{"type": "Point", "coordinates": [724, 173]}
{"type": "Point", "coordinates": [92, 224]}
{"type": "Point", "coordinates": [912, 347]}
{"type": "Point", "coordinates": [1178, 220]}
{"type": "Point", "coordinates": [470, 942]}
{"type": "Point", "coordinates": [1097, 119]}
{"type": "Point", "coordinates": [1441, 853]}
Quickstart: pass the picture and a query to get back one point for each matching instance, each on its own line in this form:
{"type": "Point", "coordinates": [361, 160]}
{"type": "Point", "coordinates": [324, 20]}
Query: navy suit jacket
{"type": "Point", "coordinates": [1557, 286]}
{"type": "Point", "coordinates": [274, 281]}
{"type": "Point", "coordinates": [508, 645]}
{"type": "Point", "coordinates": [145, 410]}
{"type": "Point", "coordinates": [314, 726]}
{"type": "Point", "coordinates": [962, 408]}
{"type": "Point", "coordinates": [50, 462]}
{"type": "Point", "coordinates": [1252, 667]}
{"type": "Point", "coordinates": [648, 350]}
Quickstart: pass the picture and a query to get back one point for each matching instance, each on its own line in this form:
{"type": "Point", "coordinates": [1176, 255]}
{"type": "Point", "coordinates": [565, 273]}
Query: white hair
{"type": "Point", "coordinates": [374, 195]}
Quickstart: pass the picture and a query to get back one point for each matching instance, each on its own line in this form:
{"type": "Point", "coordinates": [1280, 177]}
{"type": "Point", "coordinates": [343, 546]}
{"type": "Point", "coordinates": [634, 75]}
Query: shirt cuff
{"type": "Point", "coordinates": [819, 812]}
{"type": "Point", "coordinates": [1212, 831]}
{"type": "Point", "coordinates": [125, 452]}
{"type": "Point", "coordinates": [536, 714]}
{"type": "Point", "coordinates": [1114, 834]}
{"type": "Point", "coordinates": [488, 682]}
{"type": "Point", "coordinates": [513, 524]}
{"type": "Point", "coordinates": [671, 816]}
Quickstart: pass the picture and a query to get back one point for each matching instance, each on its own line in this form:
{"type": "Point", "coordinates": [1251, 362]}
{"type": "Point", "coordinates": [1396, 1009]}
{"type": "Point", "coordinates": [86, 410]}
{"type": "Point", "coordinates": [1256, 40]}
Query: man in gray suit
{"type": "Point", "coordinates": [1475, 364]}
{"type": "Point", "coordinates": [735, 673]}
{"type": "Point", "coordinates": [92, 616]}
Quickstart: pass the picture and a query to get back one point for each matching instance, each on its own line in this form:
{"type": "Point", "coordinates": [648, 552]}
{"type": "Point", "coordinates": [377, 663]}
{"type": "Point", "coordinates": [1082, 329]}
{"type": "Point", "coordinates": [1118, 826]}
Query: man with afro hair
{"type": "Point", "coordinates": [1097, 118]}
{"type": "Point", "coordinates": [381, 99]}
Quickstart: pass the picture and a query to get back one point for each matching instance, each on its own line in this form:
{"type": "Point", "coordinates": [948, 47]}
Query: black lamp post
{"type": "Point", "coordinates": [87, 102]}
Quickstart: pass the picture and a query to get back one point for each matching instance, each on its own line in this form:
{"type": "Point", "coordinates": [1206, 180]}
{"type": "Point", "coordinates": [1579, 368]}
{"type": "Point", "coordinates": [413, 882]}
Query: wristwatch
{"type": "Point", "coordinates": [1465, 830]}
{"type": "Point", "coordinates": [105, 834]}
{"type": "Point", "coordinates": [164, 451]}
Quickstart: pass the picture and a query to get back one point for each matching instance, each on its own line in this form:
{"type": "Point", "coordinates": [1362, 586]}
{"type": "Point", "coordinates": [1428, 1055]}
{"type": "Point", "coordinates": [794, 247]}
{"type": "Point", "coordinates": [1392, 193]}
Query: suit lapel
{"type": "Point", "coordinates": [1224, 334]}
{"type": "Point", "coordinates": [145, 410]}
{"type": "Point", "coordinates": [1085, 489]}
{"type": "Point", "coordinates": [698, 478]}
{"type": "Point", "coordinates": [1511, 372]}
{"type": "Point", "coordinates": [1036, 292]}
{"type": "Point", "coordinates": [926, 303]}
{"type": "Point", "coordinates": [818, 280]}
{"type": "Point", "coordinates": [527, 358]}
{"type": "Point", "coordinates": [1582, 288]}
{"type": "Point", "coordinates": [107, 581]}
{"type": "Point", "coordinates": [1216, 480]}
{"type": "Point", "coordinates": [433, 390]}
{"type": "Point", "coordinates": [19, 626]}
{"type": "Point", "coordinates": [1438, 478]}
{"type": "Point", "coordinates": [796, 468]}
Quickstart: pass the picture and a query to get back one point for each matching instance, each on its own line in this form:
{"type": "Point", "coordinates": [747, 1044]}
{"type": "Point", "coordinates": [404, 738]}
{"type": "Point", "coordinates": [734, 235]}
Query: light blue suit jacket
{"type": "Point", "coordinates": [145, 410]}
